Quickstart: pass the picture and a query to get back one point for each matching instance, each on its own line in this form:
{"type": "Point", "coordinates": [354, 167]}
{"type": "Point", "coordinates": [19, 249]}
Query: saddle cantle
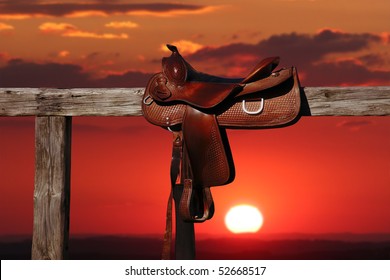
{"type": "Point", "coordinates": [197, 107]}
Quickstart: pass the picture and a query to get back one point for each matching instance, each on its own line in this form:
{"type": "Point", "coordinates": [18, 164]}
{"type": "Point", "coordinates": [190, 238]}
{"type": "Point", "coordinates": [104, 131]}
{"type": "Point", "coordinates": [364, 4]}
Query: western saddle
{"type": "Point", "coordinates": [197, 107]}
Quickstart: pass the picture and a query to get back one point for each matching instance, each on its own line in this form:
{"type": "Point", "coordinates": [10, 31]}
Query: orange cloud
{"type": "Point", "coordinates": [172, 13]}
{"type": "Point", "coordinates": [70, 30]}
{"type": "Point", "coordinates": [385, 36]}
{"type": "Point", "coordinates": [185, 46]}
{"type": "Point", "coordinates": [52, 27]}
{"type": "Point", "coordinates": [21, 16]}
{"type": "Point", "coordinates": [121, 24]}
{"type": "Point", "coordinates": [90, 13]}
{"type": "Point", "coordinates": [4, 26]}
{"type": "Point", "coordinates": [86, 34]}
{"type": "Point", "coordinates": [63, 53]}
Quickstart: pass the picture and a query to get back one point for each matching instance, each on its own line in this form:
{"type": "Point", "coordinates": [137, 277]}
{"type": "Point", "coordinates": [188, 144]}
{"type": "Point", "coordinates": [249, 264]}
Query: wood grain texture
{"type": "Point", "coordinates": [323, 101]}
{"type": "Point", "coordinates": [71, 102]}
{"type": "Point", "coordinates": [348, 101]}
{"type": "Point", "coordinates": [51, 188]}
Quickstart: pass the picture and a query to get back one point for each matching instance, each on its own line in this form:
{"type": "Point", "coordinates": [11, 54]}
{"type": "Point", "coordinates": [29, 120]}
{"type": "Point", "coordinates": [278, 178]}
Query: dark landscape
{"type": "Point", "coordinates": [281, 247]}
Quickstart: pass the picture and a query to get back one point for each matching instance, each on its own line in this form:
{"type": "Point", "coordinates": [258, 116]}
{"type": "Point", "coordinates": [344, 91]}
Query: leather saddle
{"type": "Point", "coordinates": [197, 107]}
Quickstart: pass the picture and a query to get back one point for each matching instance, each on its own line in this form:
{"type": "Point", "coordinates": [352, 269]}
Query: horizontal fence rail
{"type": "Point", "coordinates": [54, 109]}
{"type": "Point", "coordinates": [323, 101]}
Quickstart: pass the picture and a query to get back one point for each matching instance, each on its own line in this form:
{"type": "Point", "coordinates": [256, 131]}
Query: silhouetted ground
{"type": "Point", "coordinates": [140, 248]}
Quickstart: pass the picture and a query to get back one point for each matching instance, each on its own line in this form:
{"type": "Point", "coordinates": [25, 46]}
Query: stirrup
{"type": "Point", "coordinates": [185, 204]}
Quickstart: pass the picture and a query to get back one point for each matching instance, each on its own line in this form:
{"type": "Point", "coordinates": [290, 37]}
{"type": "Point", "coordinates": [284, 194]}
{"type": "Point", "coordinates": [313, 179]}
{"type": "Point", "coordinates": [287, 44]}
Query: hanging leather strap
{"type": "Point", "coordinates": [167, 242]}
{"type": "Point", "coordinates": [176, 173]}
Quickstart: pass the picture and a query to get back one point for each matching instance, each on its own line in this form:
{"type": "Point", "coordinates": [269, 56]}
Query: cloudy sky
{"type": "Point", "coordinates": [333, 177]}
{"type": "Point", "coordinates": [119, 43]}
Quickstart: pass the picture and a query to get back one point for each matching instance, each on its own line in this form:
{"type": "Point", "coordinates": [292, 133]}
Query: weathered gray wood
{"type": "Point", "coordinates": [52, 187]}
{"type": "Point", "coordinates": [348, 101]}
{"type": "Point", "coordinates": [71, 102]}
{"type": "Point", "coordinates": [323, 101]}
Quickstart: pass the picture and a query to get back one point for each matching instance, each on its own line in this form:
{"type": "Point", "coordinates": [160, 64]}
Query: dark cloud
{"type": "Point", "coordinates": [129, 79]}
{"type": "Point", "coordinates": [308, 53]}
{"type": "Point", "coordinates": [63, 9]}
{"type": "Point", "coordinates": [309, 48]}
{"type": "Point", "coordinates": [225, 52]}
{"type": "Point", "coordinates": [102, 56]}
{"type": "Point", "coordinates": [346, 73]}
{"type": "Point", "coordinates": [19, 73]}
{"type": "Point", "coordinates": [372, 59]}
{"type": "Point", "coordinates": [292, 46]}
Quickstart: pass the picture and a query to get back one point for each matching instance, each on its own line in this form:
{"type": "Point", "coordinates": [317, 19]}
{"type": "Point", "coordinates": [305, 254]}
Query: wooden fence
{"type": "Point", "coordinates": [54, 108]}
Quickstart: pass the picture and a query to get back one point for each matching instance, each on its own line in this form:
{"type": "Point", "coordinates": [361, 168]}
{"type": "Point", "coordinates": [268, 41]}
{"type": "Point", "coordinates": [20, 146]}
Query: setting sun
{"type": "Point", "coordinates": [243, 219]}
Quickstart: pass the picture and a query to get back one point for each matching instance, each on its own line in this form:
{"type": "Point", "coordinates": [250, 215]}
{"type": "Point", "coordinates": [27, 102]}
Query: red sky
{"type": "Point", "coordinates": [320, 175]}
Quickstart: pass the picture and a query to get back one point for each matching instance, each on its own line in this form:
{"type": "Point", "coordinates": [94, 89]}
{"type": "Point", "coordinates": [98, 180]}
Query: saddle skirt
{"type": "Point", "coordinates": [197, 107]}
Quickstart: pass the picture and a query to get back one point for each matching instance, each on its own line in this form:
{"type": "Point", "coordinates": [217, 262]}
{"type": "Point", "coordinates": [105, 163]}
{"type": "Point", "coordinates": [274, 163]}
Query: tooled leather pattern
{"type": "Point", "coordinates": [175, 69]}
{"type": "Point", "coordinates": [216, 171]}
{"type": "Point", "coordinates": [174, 73]}
{"type": "Point", "coordinates": [277, 110]}
{"type": "Point", "coordinates": [159, 88]}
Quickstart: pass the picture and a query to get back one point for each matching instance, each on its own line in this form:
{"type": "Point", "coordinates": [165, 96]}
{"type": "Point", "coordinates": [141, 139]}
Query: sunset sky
{"type": "Point", "coordinates": [321, 175]}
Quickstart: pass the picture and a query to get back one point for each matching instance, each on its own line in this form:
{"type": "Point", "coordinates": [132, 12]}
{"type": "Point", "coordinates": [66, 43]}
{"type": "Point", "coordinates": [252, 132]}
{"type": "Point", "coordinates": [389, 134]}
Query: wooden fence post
{"type": "Point", "coordinates": [52, 187]}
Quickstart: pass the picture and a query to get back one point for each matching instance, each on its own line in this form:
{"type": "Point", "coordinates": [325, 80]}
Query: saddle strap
{"type": "Point", "coordinates": [167, 242]}
{"type": "Point", "coordinates": [176, 173]}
